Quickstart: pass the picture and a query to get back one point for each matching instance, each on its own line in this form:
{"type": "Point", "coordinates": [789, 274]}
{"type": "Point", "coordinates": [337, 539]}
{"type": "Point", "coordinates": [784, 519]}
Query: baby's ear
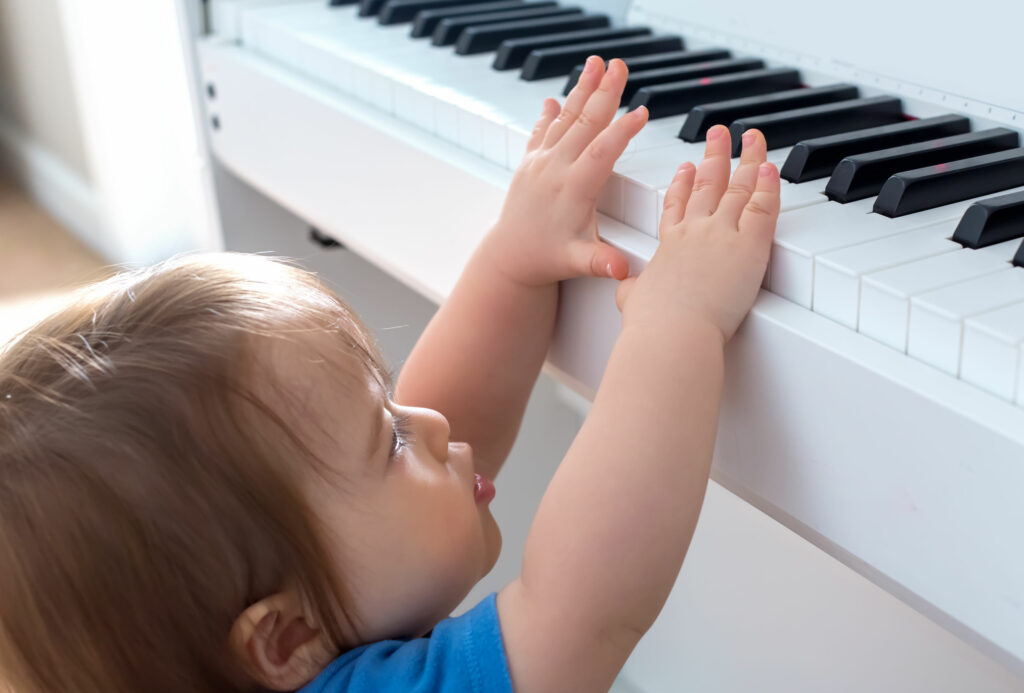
{"type": "Point", "coordinates": [277, 647]}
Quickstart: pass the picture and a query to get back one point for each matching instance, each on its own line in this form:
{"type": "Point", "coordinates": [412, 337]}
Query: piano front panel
{"type": "Point", "coordinates": [903, 471]}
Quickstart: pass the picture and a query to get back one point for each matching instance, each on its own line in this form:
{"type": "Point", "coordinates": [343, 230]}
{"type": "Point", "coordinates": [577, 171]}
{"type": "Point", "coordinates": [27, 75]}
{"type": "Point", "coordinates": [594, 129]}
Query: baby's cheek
{"type": "Point", "coordinates": [456, 539]}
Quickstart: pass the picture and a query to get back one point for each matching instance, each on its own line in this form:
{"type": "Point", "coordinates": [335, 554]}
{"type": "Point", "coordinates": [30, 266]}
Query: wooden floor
{"type": "Point", "coordinates": [39, 262]}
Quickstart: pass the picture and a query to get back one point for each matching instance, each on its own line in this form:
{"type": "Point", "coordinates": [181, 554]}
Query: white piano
{"type": "Point", "coordinates": [875, 396]}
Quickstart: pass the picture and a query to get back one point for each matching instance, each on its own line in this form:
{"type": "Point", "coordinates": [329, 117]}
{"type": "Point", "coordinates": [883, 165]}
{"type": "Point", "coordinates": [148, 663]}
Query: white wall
{"type": "Point", "coordinates": [35, 80]}
{"type": "Point", "coordinates": [97, 123]}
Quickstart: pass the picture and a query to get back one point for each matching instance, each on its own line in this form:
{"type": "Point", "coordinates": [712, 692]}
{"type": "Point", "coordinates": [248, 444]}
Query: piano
{"type": "Point", "coordinates": [874, 398]}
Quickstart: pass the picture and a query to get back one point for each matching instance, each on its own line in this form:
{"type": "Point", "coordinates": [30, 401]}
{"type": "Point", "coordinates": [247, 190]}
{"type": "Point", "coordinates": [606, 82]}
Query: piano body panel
{"type": "Point", "coordinates": [910, 478]}
{"type": "Point", "coordinates": [339, 146]}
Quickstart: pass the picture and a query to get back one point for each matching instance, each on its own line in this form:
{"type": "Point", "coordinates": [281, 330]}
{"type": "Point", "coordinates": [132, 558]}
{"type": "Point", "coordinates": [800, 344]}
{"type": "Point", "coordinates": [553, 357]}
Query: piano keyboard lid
{"type": "Point", "coordinates": [962, 59]}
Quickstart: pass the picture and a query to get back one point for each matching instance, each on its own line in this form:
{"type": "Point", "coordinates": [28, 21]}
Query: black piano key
{"type": "Point", "coordinates": [341, 3]}
{"type": "Point", "coordinates": [448, 30]}
{"type": "Point", "coordinates": [817, 158]}
{"type": "Point", "coordinates": [369, 8]}
{"type": "Point", "coordinates": [786, 128]}
{"type": "Point", "coordinates": [645, 78]}
{"type": "Point", "coordinates": [427, 20]}
{"type": "Point", "coordinates": [553, 62]}
{"type": "Point", "coordinates": [703, 117]}
{"type": "Point", "coordinates": [512, 53]}
{"type": "Point", "coordinates": [863, 175]}
{"type": "Point", "coordinates": [946, 183]}
{"type": "Point", "coordinates": [398, 11]}
{"type": "Point", "coordinates": [488, 38]}
{"type": "Point", "coordinates": [679, 97]}
{"type": "Point", "coordinates": [653, 62]}
{"type": "Point", "coordinates": [992, 221]}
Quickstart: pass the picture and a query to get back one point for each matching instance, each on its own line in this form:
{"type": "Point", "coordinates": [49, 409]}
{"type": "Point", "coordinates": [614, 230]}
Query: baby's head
{"type": "Point", "coordinates": [204, 486]}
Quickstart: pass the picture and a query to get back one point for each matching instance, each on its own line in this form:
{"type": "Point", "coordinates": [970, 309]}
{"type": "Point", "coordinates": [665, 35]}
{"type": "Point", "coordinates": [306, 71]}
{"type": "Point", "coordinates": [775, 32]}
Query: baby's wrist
{"type": "Point", "coordinates": [504, 257]}
{"type": "Point", "coordinates": [686, 329]}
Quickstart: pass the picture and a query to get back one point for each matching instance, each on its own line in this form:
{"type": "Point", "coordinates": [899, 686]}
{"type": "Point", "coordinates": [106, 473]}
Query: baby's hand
{"type": "Point", "coordinates": [547, 230]}
{"type": "Point", "coordinates": [716, 239]}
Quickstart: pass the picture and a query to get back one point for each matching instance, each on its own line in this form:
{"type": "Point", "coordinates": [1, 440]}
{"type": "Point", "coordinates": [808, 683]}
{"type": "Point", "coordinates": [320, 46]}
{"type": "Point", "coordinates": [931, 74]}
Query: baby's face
{"type": "Point", "coordinates": [406, 533]}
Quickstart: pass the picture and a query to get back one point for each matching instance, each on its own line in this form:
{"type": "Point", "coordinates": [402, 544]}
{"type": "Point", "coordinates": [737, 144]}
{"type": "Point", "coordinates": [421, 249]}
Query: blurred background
{"type": "Point", "coordinates": [104, 165]}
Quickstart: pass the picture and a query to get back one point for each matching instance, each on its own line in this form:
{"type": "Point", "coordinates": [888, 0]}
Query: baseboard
{"type": "Point", "coordinates": [61, 191]}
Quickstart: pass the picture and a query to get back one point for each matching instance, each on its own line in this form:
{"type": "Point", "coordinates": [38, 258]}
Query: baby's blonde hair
{"type": "Point", "coordinates": [145, 495]}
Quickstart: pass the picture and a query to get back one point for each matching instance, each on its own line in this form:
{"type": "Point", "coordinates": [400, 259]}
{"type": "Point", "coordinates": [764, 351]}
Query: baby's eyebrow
{"type": "Point", "coordinates": [375, 429]}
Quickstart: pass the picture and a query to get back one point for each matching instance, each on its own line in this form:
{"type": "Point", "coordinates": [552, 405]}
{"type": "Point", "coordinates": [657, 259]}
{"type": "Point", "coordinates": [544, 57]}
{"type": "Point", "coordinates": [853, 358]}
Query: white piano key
{"type": "Point", "coordinates": [991, 351]}
{"type": "Point", "coordinates": [382, 94]}
{"type": "Point", "coordinates": [277, 32]}
{"type": "Point", "coordinates": [495, 139]}
{"type": "Point", "coordinates": [609, 200]}
{"type": "Point", "coordinates": [516, 138]}
{"type": "Point", "coordinates": [1018, 398]}
{"type": "Point", "coordinates": [226, 15]}
{"type": "Point", "coordinates": [657, 132]}
{"type": "Point", "coordinates": [779, 156]}
{"type": "Point", "coordinates": [470, 124]}
{"type": "Point", "coordinates": [792, 265]}
{"type": "Point", "coordinates": [797, 195]}
{"type": "Point", "coordinates": [657, 166]}
{"type": "Point", "coordinates": [414, 104]}
{"type": "Point", "coordinates": [640, 206]}
{"type": "Point", "coordinates": [837, 274]}
{"type": "Point", "coordinates": [446, 117]}
{"type": "Point", "coordinates": [936, 317]}
{"type": "Point", "coordinates": [661, 208]}
{"type": "Point", "coordinates": [885, 295]}
{"type": "Point", "coordinates": [362, 82]}
{"type": "Point", "coordinates": [326, 65]}
{"type": "Point", "coordinates": [805, 233]}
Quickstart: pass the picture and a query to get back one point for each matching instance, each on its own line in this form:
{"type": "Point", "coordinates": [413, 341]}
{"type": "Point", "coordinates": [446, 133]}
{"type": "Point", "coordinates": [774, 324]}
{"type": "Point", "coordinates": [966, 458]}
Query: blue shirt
{"type": "Point", "coordinates": [461, 655]}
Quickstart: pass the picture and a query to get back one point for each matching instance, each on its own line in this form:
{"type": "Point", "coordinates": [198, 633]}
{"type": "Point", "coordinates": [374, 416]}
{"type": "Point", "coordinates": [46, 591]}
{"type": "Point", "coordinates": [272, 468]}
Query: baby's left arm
{"type": "Point", "coordinates": [480, 355]}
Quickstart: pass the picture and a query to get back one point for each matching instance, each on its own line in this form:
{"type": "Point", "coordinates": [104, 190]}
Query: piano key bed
{"type": "Point", "coordinates": [892, 320]}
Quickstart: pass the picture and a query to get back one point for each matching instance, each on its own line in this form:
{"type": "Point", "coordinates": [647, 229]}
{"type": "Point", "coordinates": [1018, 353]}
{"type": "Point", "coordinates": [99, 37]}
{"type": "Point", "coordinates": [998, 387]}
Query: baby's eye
{"type": "Point", "coordinates": [401, 433]}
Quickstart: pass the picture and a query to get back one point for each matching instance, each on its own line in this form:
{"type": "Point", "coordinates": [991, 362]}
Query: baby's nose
{"type": "Point", "coordinates": [436, 432]}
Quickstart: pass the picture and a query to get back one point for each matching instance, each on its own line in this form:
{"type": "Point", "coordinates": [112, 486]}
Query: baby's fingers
{"type": "Point", "coordinates": [593, 71]}
{"type": "Point", "coordinates": [712, 174]}
{"type": "Point", "coordinates": [547, 116]}
{"type": "Point", "coordinates": [597, 259]}
{"type": "Point", "coordinates": [744, 179]}
{"type": "Point", "coordinates": [622, 292]}
{"type": "Point", "coordinates": [592, 169]}
{"type": "Point", "coordinates": [676, 197]}
{"type": "Point", "coordinates": [597, 112]}
{"type": "Point", "coordinates": [762, 210]}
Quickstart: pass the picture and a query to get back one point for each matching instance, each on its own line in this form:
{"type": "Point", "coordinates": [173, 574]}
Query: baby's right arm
{"type": "Point", "coordinates": [614, 525]}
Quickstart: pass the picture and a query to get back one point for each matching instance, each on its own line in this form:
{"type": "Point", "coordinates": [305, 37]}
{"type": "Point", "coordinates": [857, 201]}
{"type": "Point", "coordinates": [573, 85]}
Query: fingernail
{"type": "Point", "coordinates": [588, 67]}
{"type": "Point", "coordinates": [640, 111]}
{"type": "Point", "coordinates": [764, 170]}
{"type": "Point", "coordinates": [608, 268]}
{"type": "Point", "coordinates": [748, 138]}
{"type": "Point", "coordinates": [714, 133]}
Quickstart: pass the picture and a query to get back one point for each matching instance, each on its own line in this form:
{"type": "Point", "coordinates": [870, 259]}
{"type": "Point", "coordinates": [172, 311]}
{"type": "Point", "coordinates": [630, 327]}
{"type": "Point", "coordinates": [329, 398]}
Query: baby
{"type": "Point", "coordinates": [207, 484]}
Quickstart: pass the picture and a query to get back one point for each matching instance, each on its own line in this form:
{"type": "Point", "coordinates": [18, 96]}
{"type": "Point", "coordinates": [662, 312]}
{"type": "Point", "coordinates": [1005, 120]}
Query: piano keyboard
{"type": "Point", "coordinates": [871, 198]}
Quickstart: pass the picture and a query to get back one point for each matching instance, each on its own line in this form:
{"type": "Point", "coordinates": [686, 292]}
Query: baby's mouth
{"type": "Point", "coordinates": [483, 491]}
